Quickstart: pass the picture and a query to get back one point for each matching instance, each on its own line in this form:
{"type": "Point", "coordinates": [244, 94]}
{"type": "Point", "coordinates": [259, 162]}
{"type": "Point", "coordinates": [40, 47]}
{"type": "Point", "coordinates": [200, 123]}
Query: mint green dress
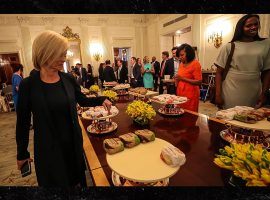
{"type": "Point", "coordinates": [148, 81]}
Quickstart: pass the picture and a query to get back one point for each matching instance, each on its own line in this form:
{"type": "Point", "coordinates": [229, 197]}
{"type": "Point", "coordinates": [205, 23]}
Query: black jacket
{"type": "Point", "coordinates": [48, 157]}
{"type": "Point", "coordinates": [123, 74]}
{"type": "Point", "coordinates": [83, 71]}
{"type": "Point", "coordinates": [108, 74]}
{"type": "Point", "coordinates": [100, 73]}
{"type": "Point", "coordinates": [169, 68]}
{"type": "Point", "coordinates": [137, 72]}
{"type": "Point", "coordinates": [157, 68]}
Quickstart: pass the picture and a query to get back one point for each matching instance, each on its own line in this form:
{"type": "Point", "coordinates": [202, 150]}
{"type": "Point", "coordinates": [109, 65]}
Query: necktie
{"type": "Point", "coordinates": [162, 68]}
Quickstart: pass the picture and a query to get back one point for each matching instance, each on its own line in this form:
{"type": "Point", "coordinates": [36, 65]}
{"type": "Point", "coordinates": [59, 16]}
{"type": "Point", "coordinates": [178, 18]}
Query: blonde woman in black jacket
{"type": "Point", "coordinates": [52, 97]}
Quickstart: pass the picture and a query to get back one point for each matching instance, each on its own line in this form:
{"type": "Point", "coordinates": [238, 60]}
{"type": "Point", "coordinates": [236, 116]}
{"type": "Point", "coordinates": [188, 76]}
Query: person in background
{"type": "Point", "coordinates": [17, 77]}
{"type": "Point", "coordinates": [100, 73]}
{"type": "Point", "coordinates": [171, 69]}
{"type": "Point", "coordinates": [130, 71]}
{"type": "Point", "coordinates": [156, 66]}
{"type": "Point", "coordinates": [248, 78]}
{"type": "Point", "coordinates": [165, 56]}
{"type": "Point", "coordinates": [89, 76]}
{"type": "Point", "coordinates": [147, 72]}
{"type": "Point", "coordinates": [108, 72]}
{"type": "Point", "coordinates": [189, 77]}
{"type": "Point", "coordinates": [176, 60]}
{"type": "Point", "coordinates": [122, 72]}
{"type": "Point", "coordinates": [81, 73]}
{"type": "Point", "coordinates": [136, 75]}
{"type": "Point", "coordinates": [139, 62]}
{"type": "Point", "coordinates": [52, 96]}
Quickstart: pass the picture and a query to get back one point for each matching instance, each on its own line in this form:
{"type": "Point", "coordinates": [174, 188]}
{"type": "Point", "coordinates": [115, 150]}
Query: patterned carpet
{"type": "Point", "coordinates": [10, 175]}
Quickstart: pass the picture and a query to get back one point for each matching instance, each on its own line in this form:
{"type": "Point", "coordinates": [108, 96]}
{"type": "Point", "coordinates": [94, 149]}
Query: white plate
{"type": "Point", "coordinates": [92, 130]}
{"type": "Point", "coordinates": [148, 94]}
{"type": "Point", "coordinates": [262, 125]}
{"type": "Point", "coordinates": [165, 102]}
{"type": "Point", "coordinates": [229, 138]}
{"type": "Point", "coordinates": [168, 114]}
{"type": "Point", "coordinates": [98, 118]}
{"type": "Point", "coordinates": [142, 163]}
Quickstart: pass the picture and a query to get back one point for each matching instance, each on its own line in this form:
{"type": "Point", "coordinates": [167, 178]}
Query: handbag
{"type": "Point", "coordinates": [225, 72]}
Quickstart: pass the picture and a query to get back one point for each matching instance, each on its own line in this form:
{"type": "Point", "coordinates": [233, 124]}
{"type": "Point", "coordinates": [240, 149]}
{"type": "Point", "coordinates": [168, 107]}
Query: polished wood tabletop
{"type": "Point", "coordinates": [195, 134]}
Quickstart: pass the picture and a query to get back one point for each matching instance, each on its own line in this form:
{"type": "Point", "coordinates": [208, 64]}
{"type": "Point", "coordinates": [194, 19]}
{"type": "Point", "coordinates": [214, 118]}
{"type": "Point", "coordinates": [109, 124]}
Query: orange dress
{"type": "Point", "coordinates": [192, 92]}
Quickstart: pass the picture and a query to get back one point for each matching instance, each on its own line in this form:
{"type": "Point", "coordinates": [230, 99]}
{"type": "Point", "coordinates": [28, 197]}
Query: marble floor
{"type": "Point", "coordinates": [10, 175]}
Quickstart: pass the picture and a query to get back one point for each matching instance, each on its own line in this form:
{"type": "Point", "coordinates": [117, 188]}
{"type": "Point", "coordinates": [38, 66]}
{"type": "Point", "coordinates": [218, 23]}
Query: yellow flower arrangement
{"type": "Point", "coordinates": [94, 88]}
{"type": "Point", "coordinates": [247, 161]}
{"type": "Point", "coordinates": [110, 94]}
{"type": "Point", "coordinates": [140, 112]}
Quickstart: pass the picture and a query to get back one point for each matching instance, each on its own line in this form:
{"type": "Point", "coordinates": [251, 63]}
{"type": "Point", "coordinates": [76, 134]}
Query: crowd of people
{"type": "Point", "coordinates": [51, 95]}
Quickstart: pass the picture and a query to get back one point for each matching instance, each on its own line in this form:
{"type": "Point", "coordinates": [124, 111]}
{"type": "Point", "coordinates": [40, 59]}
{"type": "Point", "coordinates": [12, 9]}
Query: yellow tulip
{"type": "Point", "coordinates": [265, 175]}
{"type": "Point", "coordinates": [256, 183]}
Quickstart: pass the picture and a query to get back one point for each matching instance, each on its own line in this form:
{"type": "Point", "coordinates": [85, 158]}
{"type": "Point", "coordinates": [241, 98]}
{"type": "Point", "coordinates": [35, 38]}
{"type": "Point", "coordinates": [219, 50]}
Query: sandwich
{"type": "Point", "coordinates": [145, 135]}
{"type": "Point", "coordinates": [172, 156]}
{"type": "Point", "coordinates": [113, 145]}
{"type": "Point", "coordinates": [130, 140]}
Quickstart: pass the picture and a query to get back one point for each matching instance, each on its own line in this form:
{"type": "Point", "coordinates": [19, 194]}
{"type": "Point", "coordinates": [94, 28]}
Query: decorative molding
{"type": "Point", "coordinates": [23, 20]}
{"type": "Point", "coordinates": [102, 21]}
{"type": "Point", "coordinates": [67, 32]}
{"type": "Point", "coordinates": [47, 20]}
{"type": "Point", "coordinates": [83, 20]}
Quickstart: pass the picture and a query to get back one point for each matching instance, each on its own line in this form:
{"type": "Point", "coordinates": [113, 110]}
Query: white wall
{"type": "Point", "coordinates": [144, 34]}
{"type": "Point", "coordinates": [209, 23]}
{"type": "Point", "coordinates": [17, 33]}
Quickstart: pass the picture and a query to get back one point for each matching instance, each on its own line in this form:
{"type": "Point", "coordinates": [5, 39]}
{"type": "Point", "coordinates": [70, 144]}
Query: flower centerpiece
{"type": "Point", "coordinates": [247, 161]}
{"type": "Point", "coordinates": [140, 112]}
{"type": "Point", "coordinates": [94, 89]}
{"type": "Point", "coordinates": [111, 95]}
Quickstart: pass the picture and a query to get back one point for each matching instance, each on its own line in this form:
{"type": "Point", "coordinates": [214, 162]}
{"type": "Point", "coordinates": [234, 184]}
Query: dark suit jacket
{"type": "Point", "coordinates": [84, 72]}
{"type": "Point", "coordinates": [157, 68]}
{"type": "Point", "coordinates": [48, 156]}
{"type": "Point", "coordinates": [100, 73]}
{"type": "Point", "coordinates": [169, 68]}
{"type": "Point", "coordinates": [108, 74]}
{"type": "Point", "coordinates": [137, 72]}
{"type": "Point", "coordinates": [123, 74]}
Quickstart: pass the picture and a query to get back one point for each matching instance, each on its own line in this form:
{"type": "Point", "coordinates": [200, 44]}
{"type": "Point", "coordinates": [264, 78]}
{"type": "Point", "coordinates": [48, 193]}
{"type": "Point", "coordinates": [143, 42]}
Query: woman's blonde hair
{"type": "Point", "coordinates": [145, 59]}
{"type": "Point", "coordinates": [47, 48]}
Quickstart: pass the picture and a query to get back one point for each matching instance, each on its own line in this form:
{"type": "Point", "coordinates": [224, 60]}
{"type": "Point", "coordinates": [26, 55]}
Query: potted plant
{"type": "Point", "coordinates": [111, 95]}
{"type": "Point", "coordinates": [94, 89]}
{"type": "Point", "coordinates": [247, 161]}
{"type": "Point", "coordinates": [140, 112]}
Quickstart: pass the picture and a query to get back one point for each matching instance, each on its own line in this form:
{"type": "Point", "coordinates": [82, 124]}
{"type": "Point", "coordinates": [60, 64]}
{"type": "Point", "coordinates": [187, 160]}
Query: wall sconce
{"type": "Point", "coordinates": [96, 51]}
{"type": "Point", "coordinates": [97, 56]}
{"type": "Point", "coordinates": [215, 38]}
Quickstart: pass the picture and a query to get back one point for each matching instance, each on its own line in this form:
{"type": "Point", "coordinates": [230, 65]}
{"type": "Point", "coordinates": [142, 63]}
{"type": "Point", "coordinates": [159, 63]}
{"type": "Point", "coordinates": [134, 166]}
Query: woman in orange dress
{"type": "Point", "coordinates": [189, 77]}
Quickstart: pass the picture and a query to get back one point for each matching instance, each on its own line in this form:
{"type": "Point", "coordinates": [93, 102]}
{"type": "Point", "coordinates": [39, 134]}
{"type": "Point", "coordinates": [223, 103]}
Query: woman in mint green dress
{"type": "Point", "coordinates": [147, 72]}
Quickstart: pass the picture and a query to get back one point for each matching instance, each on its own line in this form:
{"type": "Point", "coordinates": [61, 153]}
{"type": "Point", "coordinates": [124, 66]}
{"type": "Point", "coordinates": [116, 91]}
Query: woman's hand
{"type": "Point", "coordinates": [21, 162]}
{"type": "Point", "coordinates": [219, 101]}
{"type": "Point", "coordinates": [107, 105]}
{"type": "Point", "coordinates": [260, 101]}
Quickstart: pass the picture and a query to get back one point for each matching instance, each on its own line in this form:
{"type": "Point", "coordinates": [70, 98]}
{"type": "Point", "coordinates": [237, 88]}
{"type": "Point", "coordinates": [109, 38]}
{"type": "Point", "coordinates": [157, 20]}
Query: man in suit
{"type": "Point", "coordinates": [136, 79]}
{"type": "Point", "coordinates": [122, 72]}
{"type": "Point", "coordinates": [156, 66]}
{"type": "Point", "coordinates": [81, 73]}
{"type": "Point", "coordinates": [108, 73]}
{"type": "Point", "coordinates": [171, 69]}
{"type": "Point", "coordinates": [165, 56]}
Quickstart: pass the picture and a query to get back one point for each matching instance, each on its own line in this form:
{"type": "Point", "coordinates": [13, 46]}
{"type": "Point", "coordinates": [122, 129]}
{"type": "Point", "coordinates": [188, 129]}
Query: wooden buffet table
{"type": "Point", "coordinates": [195, 134]}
